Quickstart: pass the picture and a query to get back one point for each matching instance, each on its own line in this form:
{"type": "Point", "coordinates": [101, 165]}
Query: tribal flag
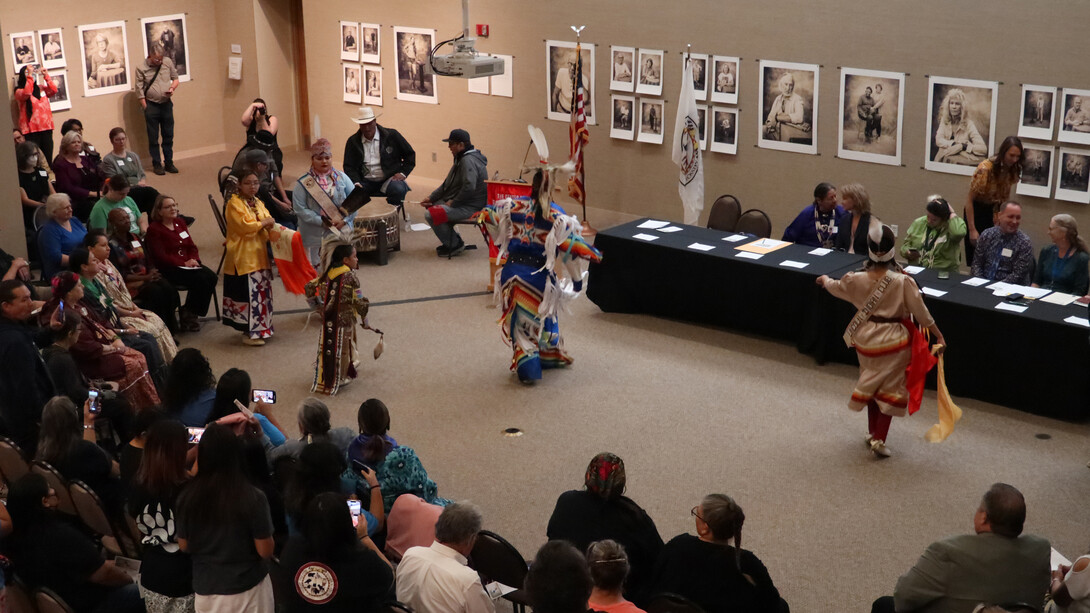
{"type": "Point", "coordinates": [577, 132]}
{"type": "Point", "coordinates": [686, 153]}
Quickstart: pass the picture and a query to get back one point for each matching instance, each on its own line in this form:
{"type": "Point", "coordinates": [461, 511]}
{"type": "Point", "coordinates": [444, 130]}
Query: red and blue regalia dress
{"type": "Point", "coordinates": [534, 237]}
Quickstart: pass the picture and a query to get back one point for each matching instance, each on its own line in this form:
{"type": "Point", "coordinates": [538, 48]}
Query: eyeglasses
{"type": "Point", "coordinates": [695, 514]}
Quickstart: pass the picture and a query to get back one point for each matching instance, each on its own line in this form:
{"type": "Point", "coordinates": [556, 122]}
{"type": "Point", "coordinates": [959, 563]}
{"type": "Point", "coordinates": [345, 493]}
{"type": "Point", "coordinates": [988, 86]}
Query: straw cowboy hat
{"type": "Point", "coordinates": [365, 115]}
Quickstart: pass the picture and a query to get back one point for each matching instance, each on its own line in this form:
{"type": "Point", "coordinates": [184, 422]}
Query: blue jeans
{"type": "Point", "coordinates": [160, 118]}
{"type": "Point", "coordinates": [395, 191]}
{"type": "Point", "coordinates": [445, 231]}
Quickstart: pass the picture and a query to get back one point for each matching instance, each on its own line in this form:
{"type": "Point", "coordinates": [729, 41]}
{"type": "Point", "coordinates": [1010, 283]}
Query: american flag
{"type": "Point", "coordinates": [577, 132]}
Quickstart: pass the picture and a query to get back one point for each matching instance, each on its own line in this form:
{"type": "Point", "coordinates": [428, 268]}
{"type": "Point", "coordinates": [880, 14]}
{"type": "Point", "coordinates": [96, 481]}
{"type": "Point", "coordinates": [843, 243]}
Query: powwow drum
{"type": "Point", "coordinates": [377, 228]}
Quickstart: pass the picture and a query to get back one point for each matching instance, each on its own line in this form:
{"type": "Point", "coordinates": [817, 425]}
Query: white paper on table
{"type": "Point", "coordinates": [975, 281]}
{"type": "Point", "coordinates": [820, 251]}
{"type": "Point", "coordinates": [749, 255]}
{"type": "Point", "coordinates": [1082, 321]}
{"type": "Point", "coordinates": [1001, 288]}
{"type": "Point", "coordinates": [932, 292]}
{"type": "Point", "coordinates": [419, 227]}
{"type": "Point", "coordinates": [653, 224]}
{"type": "Point", "coordinates": [734, 238]}
{"type": "Point", "coordinates": [1033, 292]}
{"type": "Point", "coordinates": [768, 243]}
{"type": "Point", "coordinates": [1058, 558]}
{"type": "Point", "coordinates": [794, 264]}
{"type": "Point", "coordinates": [913, 269]}
{"type": "Point", "coordinates": [670, 229]}
{"type": "Point", "coordinates": [701, 247]}
{"type": "Point", "coordinates": [1060, 298]}
{"type": "Point", "coordinates": [645, 237]}
{"type": "Point", "coordinates": [1006, 306]}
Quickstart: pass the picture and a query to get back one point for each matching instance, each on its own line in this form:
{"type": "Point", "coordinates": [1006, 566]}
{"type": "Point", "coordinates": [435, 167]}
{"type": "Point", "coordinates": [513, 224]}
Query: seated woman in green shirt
{"type": "Point", "coordinates": [934, 240]}
{"type": "Point", "coordinates": [1062, 266]}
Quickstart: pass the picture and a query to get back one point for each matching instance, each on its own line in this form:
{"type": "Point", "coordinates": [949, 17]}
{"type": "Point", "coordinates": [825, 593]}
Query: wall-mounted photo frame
{"type": "Point", "coordinates": [1073, 175]}
{"type": "Point", "coordinates": [649, 72]}
{"type": "Point", "coordinates": [415, 80]}
{"type": "Point", "coordinates": [622, 72]}
{"type": "Point", "coordinates": [623, 122]}
{"type": "Point", "coordinates": [560, 80]}
{"type": "Point", "coordinates": [24, 50]}
{"type": "Point", "coordinates": [724, 84]}
{"type": "Point", "coordinates": [1037, 171]}
{"type": "Point", "coordinates": [350, 41]}
{"type": "Point", "coordinates": [372, 85]}
{"type": "Point", "coordinates": [169, 35]}
{"type": "Point", "coordinates": [702, 113]}
{"type": "Point", "coordinates": [651, 128]}
{"type": "Point", "coordinates": [1038, 112]}
{"type": "Point", "coordinates": [104, 58]}
{"type": "Point", "coordinates": [353, 83]}
{"type": "Point", "coordinates": [700, 74]}
{"type": "Point", "coordinates": [61, 101]}
{"type": "Point", "coordinates": [724, 130]}
{"type": "Point", "coordinates": [370, 43]}
{"type": "Point", "coordinates": [52, 47]}
{"type": "Point", "coordinates": [960, 124]}
{"type": "Point", "coordinates": [1075, 127]}
{"type": "Point", "coordinates": [788, 99]}
{"type": "Point", "coordinates": [872, 104]}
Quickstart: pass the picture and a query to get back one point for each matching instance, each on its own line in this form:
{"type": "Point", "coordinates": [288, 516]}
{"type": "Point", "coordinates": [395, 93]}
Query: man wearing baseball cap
{"type": "Point", "coordinates": [462, 193]}
{"type": "Point", "coordinates": [378, 159]}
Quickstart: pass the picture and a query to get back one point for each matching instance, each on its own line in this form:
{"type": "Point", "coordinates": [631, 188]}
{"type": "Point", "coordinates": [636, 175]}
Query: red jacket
{"type": "Point", "coordinates": [41, 116]}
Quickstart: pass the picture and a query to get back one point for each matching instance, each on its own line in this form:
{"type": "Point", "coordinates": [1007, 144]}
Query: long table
{"type": "Point", "coordinates": [1032, 361]}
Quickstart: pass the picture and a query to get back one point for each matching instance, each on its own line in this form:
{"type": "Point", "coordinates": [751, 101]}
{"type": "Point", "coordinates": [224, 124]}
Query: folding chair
{"type": "Point", "coordinates": [13, 464]}
{"type": "Point", "coordinates": [49, 602]}
{"type": "Point", "coordinates": [497, 560]}
{"type": "Point", "coordinates": [725, 213]}
{"type": "Point", "coordinates": [19, 599]}
{"type": "Point", "coordinates": [755, 222]}
{"type": "Point", "coordinates": [92, 513]}
{"type": "Point", "coordinates": [217, 212]}
{"type": "Point", "coordinates": [58, 483]}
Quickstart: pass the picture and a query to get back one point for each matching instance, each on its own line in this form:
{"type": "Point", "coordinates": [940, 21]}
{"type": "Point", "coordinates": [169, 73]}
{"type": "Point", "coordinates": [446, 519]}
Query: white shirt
{"type": "Point", "coordinates": [1078, 586]}
{"type": "Point", "coordinates": [372, 158]}
{"type": "Point", "coordinates": [436, 580]}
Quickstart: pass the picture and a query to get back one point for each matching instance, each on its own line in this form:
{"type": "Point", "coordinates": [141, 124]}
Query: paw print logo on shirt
{"type": "Point", "coordinates": [157, 526]}
{"type": "Point", "coordinates": [316, 583]}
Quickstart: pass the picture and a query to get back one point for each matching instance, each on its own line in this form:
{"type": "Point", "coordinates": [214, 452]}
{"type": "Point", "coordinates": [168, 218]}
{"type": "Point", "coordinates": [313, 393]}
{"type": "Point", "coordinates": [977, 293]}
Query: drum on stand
{"type": "Point", "coordinates": [376, 228]}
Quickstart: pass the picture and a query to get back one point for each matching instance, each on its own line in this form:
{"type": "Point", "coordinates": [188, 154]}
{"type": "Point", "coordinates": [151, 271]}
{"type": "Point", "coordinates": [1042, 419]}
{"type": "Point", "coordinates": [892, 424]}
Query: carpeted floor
{"type": "Point", "coordinates": [692, 410]}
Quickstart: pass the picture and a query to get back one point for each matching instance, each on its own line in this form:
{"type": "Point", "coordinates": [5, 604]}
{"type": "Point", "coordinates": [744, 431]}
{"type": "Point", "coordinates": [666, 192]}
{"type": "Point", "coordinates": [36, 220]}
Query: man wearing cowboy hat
{"type": "Point", "coordinates": [378, 159]}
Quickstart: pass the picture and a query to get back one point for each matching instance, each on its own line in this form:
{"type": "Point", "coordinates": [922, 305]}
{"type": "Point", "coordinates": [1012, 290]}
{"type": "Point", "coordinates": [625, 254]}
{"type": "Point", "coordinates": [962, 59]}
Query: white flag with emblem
{"type": "Point", "coordinates": [686, 153]}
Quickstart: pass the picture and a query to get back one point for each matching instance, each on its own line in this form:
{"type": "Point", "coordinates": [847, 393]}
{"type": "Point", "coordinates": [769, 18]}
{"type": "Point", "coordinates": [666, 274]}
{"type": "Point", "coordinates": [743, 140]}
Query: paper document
{"type": "Point", "coordinates": [1081, 321]}
{"type": "Point", "coordinates": [975, 281]}
{"type": "Point", "coordinates": [653, 224]}
{"type": "Point", "coordinates": [1006, 306]}
{"type": "Point", "coordinates": [764, 245]}
{"type": "Point", "coordinates": [749, 256]}
{"type": "Point", "coordinates": [735, 238]}
{"type": "Point", "coordinates": [419, 227]}
{"type": "Point", "coordinates": [701, 247]}
{"type": "Point", "coordinates": [1000, 288]}
{"type": "Point", "coordinates": [1058, 558]}
{"type": "Point", "coordinates": [670, 229]}
{"type": "Point", "coordinates": [497, 590]}
{"type": "Point", "coordinates": [645, 237]}
{"type": "Point", "coordinates": [913, 269]}
{"type": "Point", "coordinates": [1060, 298]}
{"type": "Point", "coordinates": [932, 292]}
{"type": "Point", "coordinates": [820, 251]}
{"type": "Point", "coordinates": [794, 264]}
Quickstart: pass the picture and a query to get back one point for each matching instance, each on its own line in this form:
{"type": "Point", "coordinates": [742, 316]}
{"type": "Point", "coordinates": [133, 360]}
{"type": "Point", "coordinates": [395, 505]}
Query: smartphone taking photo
{"type": "Point", "coordinates": [354, 507]}
{"type": "Point", "coordinates": [195, 435]}
{"type": "Point", "coordinates": [266, 396]}
{"type": "Point", "coordinates": [95, 407]}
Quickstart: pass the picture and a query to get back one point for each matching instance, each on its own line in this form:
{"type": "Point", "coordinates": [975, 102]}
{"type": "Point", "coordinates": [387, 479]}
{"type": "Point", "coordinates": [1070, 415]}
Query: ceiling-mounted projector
{"type": "Point", "coordinates": [465, 62]}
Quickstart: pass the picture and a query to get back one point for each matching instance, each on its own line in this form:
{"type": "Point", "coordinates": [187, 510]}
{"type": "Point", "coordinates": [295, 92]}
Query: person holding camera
{"type": "Point", "coordinates": [256, 119]}
{"type": "Point", "coordinates": [32, 91]}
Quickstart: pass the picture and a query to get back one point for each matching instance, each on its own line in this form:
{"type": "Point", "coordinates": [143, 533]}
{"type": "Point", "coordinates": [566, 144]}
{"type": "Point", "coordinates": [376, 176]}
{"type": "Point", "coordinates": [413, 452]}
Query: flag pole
{"type": "Point", "coordinates": [588, 230]}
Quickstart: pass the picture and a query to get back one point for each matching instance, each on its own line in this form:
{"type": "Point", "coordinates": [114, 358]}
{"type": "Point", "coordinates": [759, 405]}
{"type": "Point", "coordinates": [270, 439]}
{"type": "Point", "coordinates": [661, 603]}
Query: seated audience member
{"type": "Point", "coordinates": [373, 443]}
{"type": "Point", "coordinates": [131, 454]}
{"type": "Point", "coordinates": [51, 552]}
{"type": "Point", "coordinates": [461, 194]}
{"type": "Point", "coordinates": [176, 257]}
{"type": "Point", "coordinates": [149, 289]}
{"type": "Point", "coordinates": [166, 572]}
{"type": "Point", "coordinates": [271, 191]}
{"type": "Point", "coordinates": [709, 570]}
{"type": "Point", "coordinates": [319, 469]}
{"type": "Point", "coordinates": [608, 571]}
{"type": "Point", "coordinates": [59, 236]}
{"type": "Point", "coordinates": [190, 389]}
{"type": "Point", "coordinates": [997, 564]}
{"type": "Point", "coordinates": [1003, 252]}
{"type": "Point", "coordinates": [235, 385]}
{"type": "Point", "coordinates": [856, 221]}
{"type": "Point", "coordinates": [354, 573]}
{"type": "Point", "coordinates": [223, 523]}
{"type": "Point", "coordinates": [934, 240]}
{"type": "Point", "coordinates": [34, 185]}
{"type": "Point", "coordinates": [124, 163]}
{"type": "Point", "coordinates": [74, 451]}
{"type": "Point", "coordinates": [1062, 266]}
{"type": "Point", "coordinates": [558, 580]}
{"type": "Point", "coordinates": [1070, 589]}
{"type": "Point", "coordinates": [816, 225]}
{"type": "Point", "coordinates": [25, 384]}
{"type": "Point", "coordinates": [411, 523]}
{"type": "Point", "coordinates": [116, 196]}
{"type": "Point", "coordinates": [87, 150]}
{"type": "Point", "coordinates": [117, 292]}
{"type": "Point", "coordinates": [403, 473]}
{"type": "Point", "coordinates": [436, 578]}
{"type": "Point", "coordinates": [378, 159]}
{"type": "Point", "coordinates": [602, 511]}
{"type": "Point", "coordinates": [17, 136]}
{"type": "Point", "coordinates": [313, 427]}
{"type": "Point", "coordinates": [77, 176]}
{"type": "Point", "coordinates": [17, 268]}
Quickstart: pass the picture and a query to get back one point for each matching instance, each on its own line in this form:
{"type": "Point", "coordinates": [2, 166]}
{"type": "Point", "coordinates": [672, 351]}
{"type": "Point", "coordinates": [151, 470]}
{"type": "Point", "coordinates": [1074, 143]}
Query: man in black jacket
{"type": "Point", "coordinates": [25, 385]}
{"type": "Point", "coordinates": [378, 159]}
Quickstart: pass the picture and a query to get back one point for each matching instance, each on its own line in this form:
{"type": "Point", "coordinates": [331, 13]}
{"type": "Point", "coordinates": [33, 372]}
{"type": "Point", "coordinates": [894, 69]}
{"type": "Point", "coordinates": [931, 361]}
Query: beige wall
{"type": "Point", "coordinates": [1002, 40]}
{"type": "Point", "coordinates": [278, 85]}
{"type": "Point", "coordinates": [11, 214]}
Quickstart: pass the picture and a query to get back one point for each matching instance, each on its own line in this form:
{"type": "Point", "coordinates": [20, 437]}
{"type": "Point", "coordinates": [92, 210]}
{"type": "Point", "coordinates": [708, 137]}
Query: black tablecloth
{"type": "Point", "coordinates": [1031, 361]}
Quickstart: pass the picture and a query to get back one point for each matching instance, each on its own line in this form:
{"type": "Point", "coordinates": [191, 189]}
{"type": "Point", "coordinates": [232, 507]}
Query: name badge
{"type": "Point", "coordinates": [43, 173]}
{"type": "Point", "coordinates": [136, 244]}
{"type": "Point", "coordinates": [1006, 253]}
{"type": "Point", "coordinates": [184, 235]}
{"type": "Point", "coordinates": [121, 162]}
{"type": "Point", "coordinates": [90, 147]}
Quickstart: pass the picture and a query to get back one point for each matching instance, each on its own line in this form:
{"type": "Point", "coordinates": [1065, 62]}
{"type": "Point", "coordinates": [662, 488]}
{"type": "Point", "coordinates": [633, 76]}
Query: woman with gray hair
{"type": "Point", "coordinates": [1062, 266]}
{"type": "Point", "coordinates": [59, 236]}
{"type": "Point", "coordinates": [608, 570]}
{"type": "Point", "coordinates": [313, 427]}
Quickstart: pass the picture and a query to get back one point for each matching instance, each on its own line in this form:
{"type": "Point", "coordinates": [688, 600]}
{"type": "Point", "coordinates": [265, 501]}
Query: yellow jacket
{"type": "Point", "coordinates": [246, 239]}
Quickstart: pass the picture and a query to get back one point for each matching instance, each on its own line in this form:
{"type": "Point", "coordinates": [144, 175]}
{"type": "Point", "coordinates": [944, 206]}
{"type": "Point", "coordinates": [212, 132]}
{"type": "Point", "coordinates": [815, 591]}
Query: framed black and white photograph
{"type": "Point", "coordinates": [372, 85]}
{"type": "Point", "coordinates": [350, 41]}
{"type": "Point", "coordinates": [724, 130]}
{"type": "Point", "coordinates": [872, 107]}
{"type": "Point", "coordinates": [702, 126]}
{"type": "Point", "coordinates": [1038, 111]}
{"type": "Point", "coordinates": [700, 74]}
{"type": "Point", "coordinates": [649, 72]}
{"type": "Point", "coordinates": [61, 100]}
{"type": "Point", "coordinates": [651, 120]}
{"type": "Point", "coordinates": [724, 81]}
{"type": "Point", "coordinates": [1037, 171]}
{"type": "Point", "coordinates": [1075, 127]}
{"type": "Point", "coordinates": [1073, 175]}
{"type": "Point", "coordinates": [369, 43]}
{"type": "Point", "coordinates": [560, 80]}
{"type": "Point", "coordinates": [52, 46]}
{"type": "Point", "coordinates": [622, 72]}
{"type": "Point", "coordinates": [169, 35]}
{"type": "Point", "coordinates": [24, 51]}
{"type": "Point", "coordinates": [353, 83]}
{"type": "Point", "coordinates": [415, 81]}
{"type": "Point", "coordinates": [624, 117]}
{"type": "Point", "coordinates": [788, 101]}
{"type": "Point", "coordinates": [104, 58]}
{"type": "Point", "coordinates": [960, 124]}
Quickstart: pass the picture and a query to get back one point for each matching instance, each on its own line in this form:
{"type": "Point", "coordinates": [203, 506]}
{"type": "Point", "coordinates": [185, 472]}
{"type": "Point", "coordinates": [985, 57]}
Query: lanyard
{"type": "Point", "coordinates": [929, 239]}
{"type": "Point", "coordinates": [826, 230]}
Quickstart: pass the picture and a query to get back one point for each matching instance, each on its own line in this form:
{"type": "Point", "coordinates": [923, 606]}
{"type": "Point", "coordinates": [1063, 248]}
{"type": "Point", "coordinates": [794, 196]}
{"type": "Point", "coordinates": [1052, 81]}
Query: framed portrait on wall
{"type": "Point", "coordinates": [415, 81]}
{"type": "Point", "coordinates": [560, 79]}
{"type": "Point", "coordinates": [649, 72]}
{"type": "Point", "coordinates": [350, 41]}
{"type": "Point", "coordinates": [372, 88]}
{"type": "Point", "coordinates": [369, 43]}
{"type": "Point", "coordinates": [725, 80]}
{"type": "Point", "coordinates": [960, 124]}
{"type": "Point", "coordinates": [624, 117]}
{"type": "Point", "coordinates": [104, 58]}
{"type": "Point", "coordinates": [621, 74]}
{"type": "Point", "coordinates": [1073, 175]}
{"type": "Point", "coordinates": [1037, 171]}
{"type": "Point", "coordinates": [168, 34]}
{"type": "Point", "coordinates": [1038, 112]}
{"type": "Point", "coordinates": [702, 125]}
{"type": "Point", "coordinates": [52, 46]}
{"type": "Point", "coordinates": [651, 121]}
{"type": "Point", "coordinates": [700, 74]}
{"type": "Point", "coordinates": [24, 51]}
{"type": "Point", "coordinates": [724, 130]}
{"type": "Point", "coordinates": [872, 106]}
{"type": "Point", "coordinates": [60, 101]}
{"type": "Point", "coordinates": [353, 80]}
{"type": "Point", "coordinates": [788, 101]}
{"type": "Point", "coordinates": [1075, 127]}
